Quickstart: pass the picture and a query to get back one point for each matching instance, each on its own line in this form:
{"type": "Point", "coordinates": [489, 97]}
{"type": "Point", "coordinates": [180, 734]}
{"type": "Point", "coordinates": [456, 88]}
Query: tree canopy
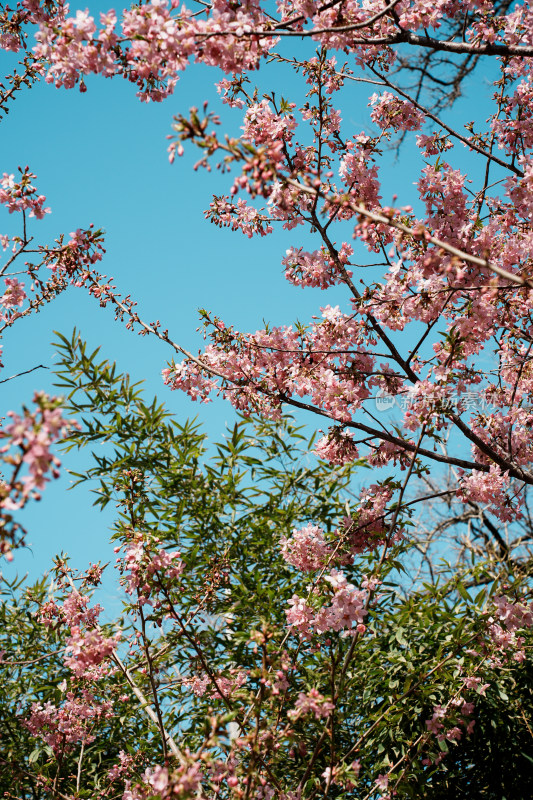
{"type": "Point", "coordinates": [346, 614]}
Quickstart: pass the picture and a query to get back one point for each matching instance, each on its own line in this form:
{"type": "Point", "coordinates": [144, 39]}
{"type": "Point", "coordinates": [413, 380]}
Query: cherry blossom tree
{"type": "Point", "coordinates": [436, 319]}
{"type": "Point", "coordinates": [201, 686]}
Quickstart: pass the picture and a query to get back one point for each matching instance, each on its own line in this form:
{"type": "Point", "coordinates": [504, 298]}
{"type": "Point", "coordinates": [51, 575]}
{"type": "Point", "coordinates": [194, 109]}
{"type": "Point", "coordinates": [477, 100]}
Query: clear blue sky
{"type": "Point", "coordinates": [100, 157]}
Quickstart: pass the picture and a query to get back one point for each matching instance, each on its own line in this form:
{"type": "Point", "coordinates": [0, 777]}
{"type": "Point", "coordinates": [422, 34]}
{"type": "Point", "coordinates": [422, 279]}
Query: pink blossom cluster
{"type": "Point", "coordinates": [77, 256]}
{"type": "Point", "coordinates": [426, 401]}
{"type": "Point", "coordinates": [198, 684]}
{"type": "Point", "coordinates": [229, 91]}
{"type": "Point", "coordinates": [226, 685]}
{"type": "Point", "coordinates": [357, 170]}
{"type": "Point", "coordinates": [311, 702]}
{"type": "Point", "coordinates": [288, 362]}
{"type": "Point", "coordinates": [307, 549]}
{"type": "Point", "coordinates": [326, 70]}
{"type": "Point", "coordinates": [9, 40]}
{"type": "Point", "coordinates": [512, 617]}
{"type": "Point", "coordinates": [184, 782]}
{"type": "Point", "coordinates": [21, 195]}
{"type": "Point", "coordinates": [13, 36]}
{"type": "Point", "coordinates": [86, 647]}
{"type": "Point", "coordinates": [14, 294]}
{"type": "Point", "coordinates": [491, 489]}
{"type": "Point", "coordinates": [87, 650]}
{"type": "Point", "coordinates": [238, 216]}
{"type": "Point", "coordinates": [73, 259]}
{"type": "Point", "coordinates": [506, 429]}
{"type": "Point", "coordinates": [264, 126]}
{"type": "Point", "coordinates": [348, 606]}
{"type": "Point", "coordinates": [474, 682]}
{"type": "Point", "coordinates": [368, 529]}
{"type": "Point", "coordinates": [125, 764]}
{"type": "Point", "coordinates": [155, 41]}
{"type": "Point", "coordinates": [146, 567]}
{"type": "Point", "coordinates": [317, 268]}
{"type": "Point", "coordinates": [433, 144]}
{"type": "Point", "coordinates": [337, 447]}
{"type": "Point", "coordinates": [281, 683]}
{"type": "Point", "coordinates": [389, 111]}
{"type": "Point", "coordinates": [62, 726]}
{"type": "Point", "coordinates": [73, 612]}
{"type": "Point", "coordinates": [28, 439]}
{"type": "Point", "coordinates": [459, 711]}
{"type": "Point", "coordinates": [153, 45]}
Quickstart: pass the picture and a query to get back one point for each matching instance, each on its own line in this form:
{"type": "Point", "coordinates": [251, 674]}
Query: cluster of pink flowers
{"type": "Point", "coordinates": [474, 682]}
{"type": "Point", "coordinates": [426, 402]}
{"type": "Point", "coordinates": [311, 702]}
{"type": "Point", "coordinates": [225, 684]}
{"type": "Point", "coordinates": [357, 169]}
{"type": "Point", "coordinates": [183, 781]}
{"type": "Point", "coordinates": [389, 111]}
{"type": "Point", "coordinates": [281, 682]}
{"type": "Point", "coordinates": [143, 563]}
{"type": "Point", "coordinates": [491, 489]}
{"type": "Point", "coordinates": [155, 42]}
{"type": "Point", "coordinates": [65, 725]}
{"type": "Point", "coordinates": [348, 606]}
{"type": "Point", "coordinates": [264, 126]}
{"type": "Point", "coordinates": [434, 144]}
{"type": "Point", "coordinates": [14, 294]}
{"type": "Point", "coordinates": [125, 763]}
{"type": "Point", "coordinates": [337, 447]}
{"type": "Point", "coordinates": [459, 711]}
{"type": "Point", "coordinates": [288, 362]}
{"type": "Point", "coordinates": [511, 617]}
{"type": "Point", "coordinates": [74, 611]}
{"type": "Point", "coordinates": [21, 195]}
{"type": "Point", "coordinates": [87, 650]}
{"type": "Point", "coordinates": [153, 45]}
{"type": "Point", "coordinates": [238, 216]}
{"type": "Point", "coordinates": [198, 684]}
{"type": "Point", "coordinates": [307, 549]}
{"type": "Point", "coordinates": [228, 684]}
{"type": "Point", "coordinates": [368, 529]}
{"type": "Point", "coordinates": [317, 268]}
{"type": "Point", "coordinates": [27, 444]}
{"type": "Point", "coordinates": [78, 255]}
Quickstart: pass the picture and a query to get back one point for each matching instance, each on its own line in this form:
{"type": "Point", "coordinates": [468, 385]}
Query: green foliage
{"type": "Point", "coordinates": [225, 508]}
{"type": "Point", "coordinates": [32, 671]}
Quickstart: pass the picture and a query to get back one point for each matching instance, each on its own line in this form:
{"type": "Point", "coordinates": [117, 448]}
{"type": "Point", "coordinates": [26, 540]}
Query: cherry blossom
{"type": "Point", "coordinates": [306, 549]}
{"type": "Point", "coordinates": [65, 725]}
{"type": "Point", "coordinates": [311, 702]}
{"type": "Point", "coordinates": [429, 304]}
{"type": "Point", "coordinates": [348, 606]}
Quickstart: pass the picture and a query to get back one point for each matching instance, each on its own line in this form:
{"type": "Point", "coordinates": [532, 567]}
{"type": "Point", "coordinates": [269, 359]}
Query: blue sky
{"type": "Point", "coordinates": [100, 157]}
